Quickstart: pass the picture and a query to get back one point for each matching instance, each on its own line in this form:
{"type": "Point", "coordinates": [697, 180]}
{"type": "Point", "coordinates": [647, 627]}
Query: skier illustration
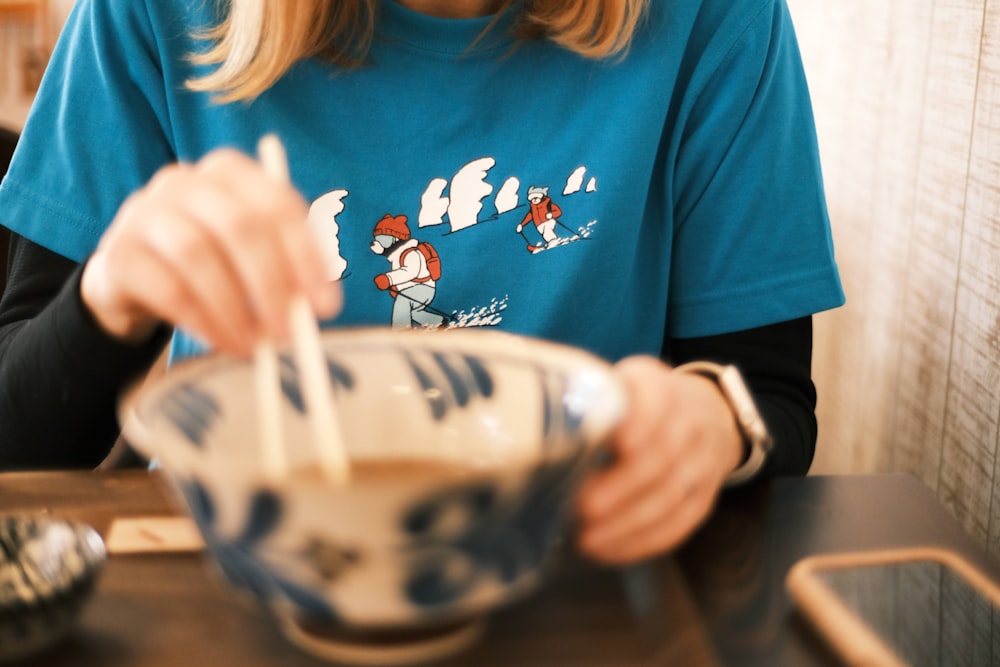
{"type": "Point", "coordinates": [544, 213]}
{"type": "Point", "coordinates": [412, 280]}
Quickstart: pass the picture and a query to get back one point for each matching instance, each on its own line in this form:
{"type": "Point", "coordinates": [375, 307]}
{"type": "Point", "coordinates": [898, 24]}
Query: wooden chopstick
{"type": "Point", "coordinates": [318, 393]}
{"type": "Point", "coordinates": [267, 378]}
{"type": "Point", "coordinates": [317, 388]}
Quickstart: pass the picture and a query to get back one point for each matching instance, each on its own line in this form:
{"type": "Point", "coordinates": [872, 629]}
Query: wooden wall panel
{"type": "Point", "coordinates": [866, 79]}
{"type": "Point", "coordinates": [899, 120]}
{"type": "Point", "coordinates": [945, 143]}
{"type": "Point", "coordinates": [979, 289]}
{"type": "Point", "coordinates": [909, 370]}
{"type": "Point", "coordinates": [826, 75]}
{"type": "Point", "coordinates": [826, 39]}
{"type": "Point", "coordinates": [866, 65]}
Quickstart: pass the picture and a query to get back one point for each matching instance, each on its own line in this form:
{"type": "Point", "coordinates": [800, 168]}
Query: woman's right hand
{"type": "Point", "coordinates": [217, 248]}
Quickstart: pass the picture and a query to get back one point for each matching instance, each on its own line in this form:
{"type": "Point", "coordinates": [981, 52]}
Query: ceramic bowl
{"type": "Point", "coordinates": [466, 448]}
{"type": "Point", "coordinates": [48, 568]}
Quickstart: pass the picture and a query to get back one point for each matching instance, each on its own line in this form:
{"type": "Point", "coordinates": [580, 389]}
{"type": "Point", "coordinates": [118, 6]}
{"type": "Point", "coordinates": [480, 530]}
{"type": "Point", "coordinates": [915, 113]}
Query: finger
{"type": "Point", "coordinates": [285, 213]}
{"type": "Point", "coordinates": [150, 284]}
{"type": "Point", "coordinates": [664, 442]}
{"type": "Point", "coordinates": [247, 235]}
{"type": "Point", "coordinates": [203, 285]}
{"type": "Point", "coordinates": [655, 525]}
{"type": "Point", "coordinates": [647, 383]}
{"type": "Point", "coordinates": [605, 492]}
{"type": "Point", "coordinates": [677, 459]}
{"type": "Point", "coordinates": [324, 295]}
{"type": "Point", "coordinates": [655, 539]}
{"type": "Point", "coordinates": [646, 505]}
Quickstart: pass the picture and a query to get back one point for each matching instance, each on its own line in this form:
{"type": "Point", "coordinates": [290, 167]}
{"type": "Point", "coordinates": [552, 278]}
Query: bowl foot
{"type": "Point", "coordinates": [388, 648]}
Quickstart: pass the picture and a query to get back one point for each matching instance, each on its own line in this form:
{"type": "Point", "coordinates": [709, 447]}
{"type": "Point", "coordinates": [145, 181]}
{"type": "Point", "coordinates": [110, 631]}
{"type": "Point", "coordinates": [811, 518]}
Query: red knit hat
{"type": "Point", "coordinates": [394, 226]}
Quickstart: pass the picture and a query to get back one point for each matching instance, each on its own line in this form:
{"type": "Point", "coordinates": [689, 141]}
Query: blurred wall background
{"type": "Point", "coordinates": [907, 101]}
{"type": "Point", "coordinates": [28, 29]}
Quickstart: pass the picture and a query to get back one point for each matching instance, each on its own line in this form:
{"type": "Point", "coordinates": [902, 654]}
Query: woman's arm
{"type": "Point", "coordinates": [198, 248]}
{"type": "Point", "coordinates": [679, 440]}
{"type": "Point", "coordinates": [776, 362]}
{"type": "Point", "coordinates": [60, 374]}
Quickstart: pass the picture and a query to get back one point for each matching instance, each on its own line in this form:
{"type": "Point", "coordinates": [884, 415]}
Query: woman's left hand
{"type": "Point", "coordinates": [673, 451]}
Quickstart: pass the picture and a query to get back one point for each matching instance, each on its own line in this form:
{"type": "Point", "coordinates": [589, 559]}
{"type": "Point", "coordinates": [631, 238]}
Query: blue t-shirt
{"type": "Point", "coordinates": [605, 204]}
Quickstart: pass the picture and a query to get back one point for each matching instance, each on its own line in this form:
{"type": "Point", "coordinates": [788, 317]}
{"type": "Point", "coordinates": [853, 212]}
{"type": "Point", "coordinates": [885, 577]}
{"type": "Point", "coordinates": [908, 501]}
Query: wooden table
{"type": "Point", "coordinates": [719, 601]}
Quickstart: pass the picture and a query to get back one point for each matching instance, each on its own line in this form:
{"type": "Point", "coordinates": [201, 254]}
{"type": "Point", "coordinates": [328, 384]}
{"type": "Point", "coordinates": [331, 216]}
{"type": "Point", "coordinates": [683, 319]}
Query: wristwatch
{"type": "Point", "coordinates": [757, 441]}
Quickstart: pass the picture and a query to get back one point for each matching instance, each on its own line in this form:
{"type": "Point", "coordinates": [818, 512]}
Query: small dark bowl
{"type": "Point", "coordinates": [48, 568]}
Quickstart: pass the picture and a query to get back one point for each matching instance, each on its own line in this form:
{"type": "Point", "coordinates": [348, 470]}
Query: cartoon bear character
{"type": "Point", "coordinates": [412, 280]}
{"type": "Point", "coordinates": [544, 213]}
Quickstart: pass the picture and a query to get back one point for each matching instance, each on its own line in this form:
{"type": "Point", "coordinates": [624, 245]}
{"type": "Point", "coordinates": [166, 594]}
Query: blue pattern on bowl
{"type": "Point", "coordinates": [503, 537]}
{"type": "Point", "coordinates": [239, 558]}
{"type": "Point", "coordinates": [193, 411]}
{"type": "Point", "coordinates": [292, 388]}
{"type": "Point", "coordinates": [466, 375]}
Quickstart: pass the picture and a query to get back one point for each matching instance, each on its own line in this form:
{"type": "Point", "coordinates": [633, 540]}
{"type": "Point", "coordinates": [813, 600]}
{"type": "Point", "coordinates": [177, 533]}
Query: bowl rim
{"type": "Point", "coordinates": [144, 392]}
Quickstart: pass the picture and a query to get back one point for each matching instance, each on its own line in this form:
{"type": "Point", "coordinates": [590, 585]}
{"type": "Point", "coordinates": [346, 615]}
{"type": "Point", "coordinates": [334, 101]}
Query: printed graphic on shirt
{"type": "Point", "coordinates": [323, 219]}
{"type": "Point", "coordinates": [460, 203]}
{"type": "Point", "coordinates": [544, 215]}
{"type": "Point", "coordinates": [411, 281]}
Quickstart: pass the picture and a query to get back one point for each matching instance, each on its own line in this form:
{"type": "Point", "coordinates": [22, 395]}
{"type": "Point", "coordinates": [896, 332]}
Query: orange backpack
{"type": "Point", "coordinates": [432, 257]}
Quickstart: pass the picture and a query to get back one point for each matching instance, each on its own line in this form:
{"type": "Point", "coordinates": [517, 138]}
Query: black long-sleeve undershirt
{"type": "Point", "coordinates": [776, 362]}
{"type": "Point", "coordinates": [61, 375]}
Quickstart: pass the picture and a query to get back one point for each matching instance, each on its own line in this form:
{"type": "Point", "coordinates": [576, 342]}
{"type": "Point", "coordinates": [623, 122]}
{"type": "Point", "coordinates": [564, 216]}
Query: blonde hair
{"type": "Point", "coordinates": [259, 40]}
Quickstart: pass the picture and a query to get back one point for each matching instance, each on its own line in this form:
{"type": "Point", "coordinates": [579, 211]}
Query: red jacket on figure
{"type": "Point", "coordinates": [539, 213]}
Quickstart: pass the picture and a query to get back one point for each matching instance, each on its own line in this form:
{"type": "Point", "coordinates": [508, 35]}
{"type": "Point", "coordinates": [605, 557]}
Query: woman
{"type": "Point", "coordinates": [675, 138]}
